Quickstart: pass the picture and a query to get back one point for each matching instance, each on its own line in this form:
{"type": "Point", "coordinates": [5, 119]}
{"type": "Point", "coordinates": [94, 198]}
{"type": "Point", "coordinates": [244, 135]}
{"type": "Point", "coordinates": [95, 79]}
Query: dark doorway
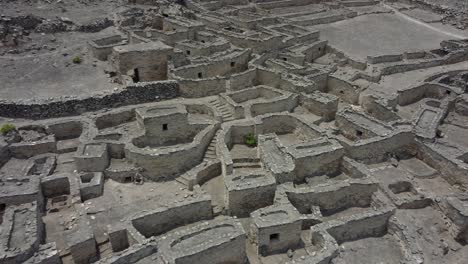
{"type": "Point", "coordinates": [2, 211]}
{"type": "Point", "coordinates": [274, 237]}
{"type": "Point", "coordinates": [136, 76]}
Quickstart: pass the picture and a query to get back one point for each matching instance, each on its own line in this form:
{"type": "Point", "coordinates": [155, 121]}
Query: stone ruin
{"type": "Point", "coordinates": [264, 131]}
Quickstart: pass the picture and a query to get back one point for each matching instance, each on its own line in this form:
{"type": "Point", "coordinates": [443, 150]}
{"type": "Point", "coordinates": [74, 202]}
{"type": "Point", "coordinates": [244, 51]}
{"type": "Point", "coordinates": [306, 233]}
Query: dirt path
{"type": "Point", "coordinates": [458, 36]}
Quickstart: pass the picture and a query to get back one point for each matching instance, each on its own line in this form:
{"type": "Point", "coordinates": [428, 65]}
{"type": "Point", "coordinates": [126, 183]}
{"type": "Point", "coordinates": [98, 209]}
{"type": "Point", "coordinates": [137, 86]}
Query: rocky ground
{"type": "Point", "coordinates": [455, 12]}
{"type": "Point", "coordinates": [43, 44]}
{"type": "Point", "coordinates": [30, 26]}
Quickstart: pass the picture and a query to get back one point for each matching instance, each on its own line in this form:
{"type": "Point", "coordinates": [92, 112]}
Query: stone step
{"type": "Point", "coordinates": [210, 156]}
{"type": "Point", "coordinates": [212, 152]}
{"type": "Point", "coordinates": [211, 149]}
{"type": "Point", "coordinates": [246, 160]}
{"type": "Point", "coordinates": [209, 159]}
{"type": "Point", "coordinates": [246, 165]}
{"type": "Point", "coordinates": [182, 180]}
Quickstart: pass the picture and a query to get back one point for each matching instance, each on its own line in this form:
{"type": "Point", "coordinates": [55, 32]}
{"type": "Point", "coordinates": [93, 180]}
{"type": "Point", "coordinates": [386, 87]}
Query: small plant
{"type": "Point", "coordinates": [77, 60]}
{"type": "Point", "coordinates": [5, 128]}
{"type": "Point", "coordinates": [250, 140]}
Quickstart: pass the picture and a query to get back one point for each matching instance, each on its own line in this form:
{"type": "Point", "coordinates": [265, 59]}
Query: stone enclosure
{"type": "Point", "coordinates": [233, 132]}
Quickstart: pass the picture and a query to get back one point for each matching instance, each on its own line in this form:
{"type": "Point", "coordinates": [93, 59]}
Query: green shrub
{"type": "Point", "coordinates": [77, 60]}
{"type": "Point", "coordinates": [5, 128]}
{"type": "Point", "coordinates": [250, 140]}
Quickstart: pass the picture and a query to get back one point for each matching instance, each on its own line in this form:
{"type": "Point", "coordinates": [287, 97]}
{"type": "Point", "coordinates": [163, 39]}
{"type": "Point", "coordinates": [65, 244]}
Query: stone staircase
{"type": "Point", "coordinates": [223, 109]}
{"type": "Point", "coordinates": [246, 163]}
{"type": "Point", "coordinates": [210, 155]}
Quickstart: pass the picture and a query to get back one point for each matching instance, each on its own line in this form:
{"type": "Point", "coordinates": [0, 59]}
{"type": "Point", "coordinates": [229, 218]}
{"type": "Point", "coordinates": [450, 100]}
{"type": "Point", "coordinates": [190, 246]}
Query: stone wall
{"type": "Point", "coordinates": [202, 87]}
{"type": "Point", "coordinates": [218, 66]}
{"type": "Point", "coordinates": [374, 224]}
{"type": "Point", "coordinates": [380, 146]}
{"type": "Point", "coordinates": [243, 80]}
{"type": "Point", "coordinates": [333, 199]}
{"type": "Point", "coordinates": [167, 163]}
{"type": "Point", "coordinates": [59, 107]}
{"type": "Point", "coordinates": [343, 89]}
{"type": "Point", "coordinates": [164, 219]}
